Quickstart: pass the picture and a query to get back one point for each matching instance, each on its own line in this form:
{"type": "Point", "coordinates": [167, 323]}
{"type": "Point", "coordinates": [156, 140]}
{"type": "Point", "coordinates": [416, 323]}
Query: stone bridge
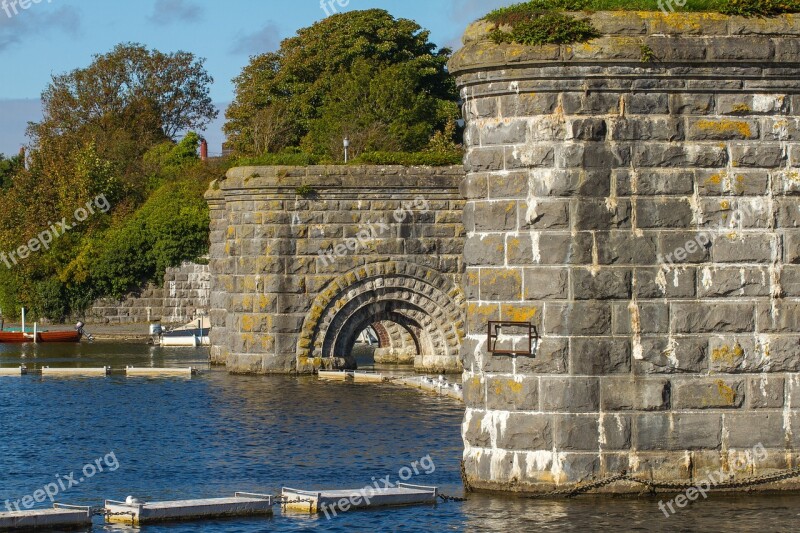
{"type": "Point", "coordinates": [304, 259]}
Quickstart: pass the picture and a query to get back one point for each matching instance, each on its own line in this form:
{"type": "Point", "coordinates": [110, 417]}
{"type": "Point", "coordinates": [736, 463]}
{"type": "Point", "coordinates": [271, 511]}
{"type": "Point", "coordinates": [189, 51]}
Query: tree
{"type": "Point", "coordinates": [342, 74]}
{"type": "Point", "coordinates": [9, 167]}
{"type": "Point", "coordinates": [131, 87]}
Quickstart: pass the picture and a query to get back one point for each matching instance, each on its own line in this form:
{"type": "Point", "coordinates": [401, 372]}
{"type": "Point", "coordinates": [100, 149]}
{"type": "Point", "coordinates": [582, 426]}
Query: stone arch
{"type": "Point", "coordinates": [424, 302]}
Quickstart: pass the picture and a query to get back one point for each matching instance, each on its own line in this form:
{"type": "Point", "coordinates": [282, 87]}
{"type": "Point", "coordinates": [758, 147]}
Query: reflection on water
{"type": "Point", "coordinates": [216, 434]}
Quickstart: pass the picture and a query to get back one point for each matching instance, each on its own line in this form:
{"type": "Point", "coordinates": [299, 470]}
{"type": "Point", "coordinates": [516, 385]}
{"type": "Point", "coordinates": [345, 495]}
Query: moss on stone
{"type": "Point", "coordinates": [539, 22]}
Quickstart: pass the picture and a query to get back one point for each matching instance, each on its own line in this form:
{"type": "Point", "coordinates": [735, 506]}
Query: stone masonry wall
{"type": "Point", "coordinates": [646, 217]}
{"type": "Point", "coordinates": [304, 259]}
{"type": "Point", "coordinates": [184, 296]}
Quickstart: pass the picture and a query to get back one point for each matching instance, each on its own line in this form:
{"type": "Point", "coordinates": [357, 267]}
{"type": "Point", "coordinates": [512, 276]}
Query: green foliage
{"type": "Point", "coordinates": [432, 159]}
{"type": "Point", "coordinates": [9, 167]}
{"type": "Point", "coordinates": [524, 11]}
{"type": "Point", "coordinates": [648, 55]}
{"type": "Point", "coordinates": [361, 74]}
{"type": "Point", "coordinates": [287, 157]}
{"type": "Point", "coordinates": [306, 191]}
{"type": "Point", "coordinates": [171, 227]}
{"type": "Point", "coordinates": [547, 28]}
{"type": "Point", "coordinates": [761, 8]}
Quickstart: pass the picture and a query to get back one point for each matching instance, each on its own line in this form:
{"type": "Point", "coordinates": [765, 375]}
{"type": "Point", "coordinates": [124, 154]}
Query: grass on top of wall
{"type": "Point", "coordinates": [540, 22]}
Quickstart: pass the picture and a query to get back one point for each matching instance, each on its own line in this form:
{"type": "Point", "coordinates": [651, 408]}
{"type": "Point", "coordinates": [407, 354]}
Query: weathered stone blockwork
{"type": "Point", "coordinates": [646, 216]}
{"type": "Point", "coordinates": [184, 296]}
{"type": "Point", "coordinates": [295, 279]}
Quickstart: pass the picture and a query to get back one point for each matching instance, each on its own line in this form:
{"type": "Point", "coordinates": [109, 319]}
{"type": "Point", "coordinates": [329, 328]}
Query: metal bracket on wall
{"type": "Point", "coordinates": [524, 329]}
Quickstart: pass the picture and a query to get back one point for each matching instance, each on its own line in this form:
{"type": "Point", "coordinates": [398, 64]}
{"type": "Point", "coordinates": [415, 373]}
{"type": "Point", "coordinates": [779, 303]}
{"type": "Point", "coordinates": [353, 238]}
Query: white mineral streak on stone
{"type": "Point", "coordinates": [497, 465]}
{"type": "Point", "coordinates": [742, 281]}
{"type": "Point", "coordinates": [516, 468]}
{"type": "Point", "coordinates": [762, 349]}
{"type": "Point", "coordinates": [661, 280]}
{"type": "Point", "coordinates": [694, 204]}
{"type": "Point", "coordinates": [295, 219]}
{"type": "Point", "coordinates": [620, 423]}
{"type": "Point", "coordinates": [611, 201]}
{"type": "Point", "coordinates": [635, 220]}
{"type": "Point", "coordinates": [514, 87]}
{"type": "Point", "coordinates": [669, 353]}
{"type": "Point", "coordinates": [537, 462]}
{"type": "Point", "coordinates": [706, 280]}
{"type": "Point", "coordinates": [676, 278]}
{"type": "Point", "coordinates": [557, 468]}
{"type": "Point", "coordinates": [535, 252]}
{"type": "Point", "coordinates": [636, 330]}
{"type": "Point", "coordinates": [794, 382]}
{"type": "Point", "coordinates": [602, 430]}
{"type": "Point", "coordinates": [762, 385]}
{"type": "Point", "coordinates": [595, 268]}
{"type": "Point", "coordinates": [767, 103]}
{"type": "Point", "coordinates": [634, 461]}
{"type": "Point", "coordinates": [725, 433]}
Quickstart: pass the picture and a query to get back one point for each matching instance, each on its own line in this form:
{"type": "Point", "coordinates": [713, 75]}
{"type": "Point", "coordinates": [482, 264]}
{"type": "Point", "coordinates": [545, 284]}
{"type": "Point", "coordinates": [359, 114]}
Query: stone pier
{"type": "Point", "coordinates": [305, 259]}
{"type": "Point", "coordinates": [637, 198]}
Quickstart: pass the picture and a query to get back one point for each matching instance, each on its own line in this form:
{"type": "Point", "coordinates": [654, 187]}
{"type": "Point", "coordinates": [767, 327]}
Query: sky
{"type": "Point", "coordinates": [51, 37]}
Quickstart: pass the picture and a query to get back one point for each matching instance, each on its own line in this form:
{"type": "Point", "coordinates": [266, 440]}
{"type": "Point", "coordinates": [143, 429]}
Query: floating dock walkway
{"type": "Point", "coordinates": [336, 501]}
{"type": "Point", "coordinates": [19, 371]}
{"type": "Point", "coordinates": [241, 504]}
{"type": "Point", "coordinates": [79, 372]}
{"type": "Point", "coordinates": [160, 372]}
{"type": "Point", "coordinates": [60, 517]}
{"type": "Point", "coordinates": [351, 375]}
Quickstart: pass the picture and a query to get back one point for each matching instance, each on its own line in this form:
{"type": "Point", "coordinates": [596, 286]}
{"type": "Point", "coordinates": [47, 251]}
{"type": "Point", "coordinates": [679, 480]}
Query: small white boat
{"type": "Point", "coordinates": [59, 517]}
{"type": "Point", "coordinates": [135, 513]}
{"type": "Point", "coordinates": [191, 335]}
{"type": "Point", "coordinates": [336, 501]}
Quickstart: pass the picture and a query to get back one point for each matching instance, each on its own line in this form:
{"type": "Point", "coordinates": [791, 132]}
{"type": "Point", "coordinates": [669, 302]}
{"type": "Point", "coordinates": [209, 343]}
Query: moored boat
{"type": "Point", "coordinates": [18, 337]}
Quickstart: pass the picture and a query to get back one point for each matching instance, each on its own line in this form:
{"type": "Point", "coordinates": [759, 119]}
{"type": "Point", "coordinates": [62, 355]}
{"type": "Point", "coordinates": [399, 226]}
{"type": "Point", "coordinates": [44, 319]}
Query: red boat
{"type": "Point", "coordinates": [17, 337]}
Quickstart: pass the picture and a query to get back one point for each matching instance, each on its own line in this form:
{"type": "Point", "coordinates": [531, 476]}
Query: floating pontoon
{"type": "Point", "coordinates": [60, 517]}
{"type": "Point", "coordinates": [336, 501]}
{"type": "Point", "coordinates": [76, 372]}
{"type": "Point", "coordinates": [242, 504]}
{"type": "Point", "coordinates": [351, 375]}
{"type": "Point", "coordinates": [160, 372]}
{"type": "Point", "coordinates": [19, 371]}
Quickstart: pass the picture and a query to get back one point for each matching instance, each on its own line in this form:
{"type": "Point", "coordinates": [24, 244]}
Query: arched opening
{"type": "Point", "coordinates": [416, 313]}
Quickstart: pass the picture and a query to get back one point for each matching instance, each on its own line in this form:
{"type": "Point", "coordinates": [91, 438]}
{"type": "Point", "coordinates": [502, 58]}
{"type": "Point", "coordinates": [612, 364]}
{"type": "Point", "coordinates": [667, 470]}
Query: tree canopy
{"type": "Point", "coordinates": [362, 74]}
{"type": "Point", "coordinates": [109, 130]}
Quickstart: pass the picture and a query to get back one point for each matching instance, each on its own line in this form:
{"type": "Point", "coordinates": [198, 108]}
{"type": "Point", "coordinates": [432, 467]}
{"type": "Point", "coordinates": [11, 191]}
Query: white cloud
{"type": "Point", "coordinates": [168, 11]}
{"type": "Point", "coordinates": [267, 39]}
{"type": "Point", "coordinates": [38, 19]}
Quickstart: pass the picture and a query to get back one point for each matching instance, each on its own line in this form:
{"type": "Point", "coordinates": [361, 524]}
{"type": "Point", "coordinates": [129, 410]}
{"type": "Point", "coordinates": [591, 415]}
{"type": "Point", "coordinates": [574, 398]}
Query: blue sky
{"type": "Point", "coordinates": [56, 36]}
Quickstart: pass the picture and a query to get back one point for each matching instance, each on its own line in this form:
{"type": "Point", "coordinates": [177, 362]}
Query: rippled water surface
{"type": "Point", "coordinates": [216, 434]}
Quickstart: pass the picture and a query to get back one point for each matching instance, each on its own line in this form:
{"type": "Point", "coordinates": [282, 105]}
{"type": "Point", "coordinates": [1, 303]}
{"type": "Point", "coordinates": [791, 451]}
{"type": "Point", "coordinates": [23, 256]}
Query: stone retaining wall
{"type": "Point", "coordinates": [646, 217]}
{"type": "Point", "coordinates": [184, 296]}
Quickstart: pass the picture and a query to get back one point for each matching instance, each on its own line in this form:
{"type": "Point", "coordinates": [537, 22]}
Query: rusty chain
{"type": "Point", "coordinates": [670, 485]}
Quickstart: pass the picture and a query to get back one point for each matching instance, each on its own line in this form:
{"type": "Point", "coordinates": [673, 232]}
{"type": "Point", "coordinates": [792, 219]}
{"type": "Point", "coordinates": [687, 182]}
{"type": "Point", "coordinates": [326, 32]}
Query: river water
{"type": "Point", "coordinates": [216, 434]}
